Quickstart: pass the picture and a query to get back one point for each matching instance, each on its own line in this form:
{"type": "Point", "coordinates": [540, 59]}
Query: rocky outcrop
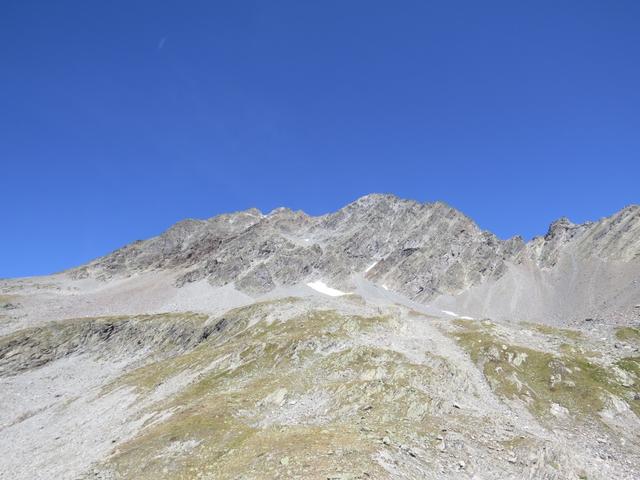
{"type": "Point", "coordinates": [117, 336]}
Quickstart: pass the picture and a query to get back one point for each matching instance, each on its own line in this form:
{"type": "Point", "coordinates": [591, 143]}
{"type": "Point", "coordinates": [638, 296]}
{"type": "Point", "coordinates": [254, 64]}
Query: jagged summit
{"type": "Point", "coordinates": [424, 251]}
{"type": "Point", "coordinates": [285, 247]}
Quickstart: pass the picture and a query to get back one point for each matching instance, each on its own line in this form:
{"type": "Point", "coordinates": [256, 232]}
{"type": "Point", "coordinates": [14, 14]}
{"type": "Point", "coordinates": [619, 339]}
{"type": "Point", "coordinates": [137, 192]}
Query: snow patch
{"type": "Point", "coordinates": [385, 287]}
{"type": "Point", "coordinates": [370, 266]}
{"type": "Point", "coordinates": [454, 314]}
{"type": "Point", "coordinates": [320, 286]}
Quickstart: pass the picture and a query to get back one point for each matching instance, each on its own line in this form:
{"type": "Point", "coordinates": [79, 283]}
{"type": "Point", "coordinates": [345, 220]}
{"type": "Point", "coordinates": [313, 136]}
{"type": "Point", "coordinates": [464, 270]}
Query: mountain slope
{"type": "Point", "coordinates": [388, 340]}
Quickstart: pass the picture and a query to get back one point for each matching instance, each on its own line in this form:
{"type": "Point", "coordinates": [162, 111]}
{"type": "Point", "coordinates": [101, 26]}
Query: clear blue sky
{"type": "Point", "coordinates": [118, 119]}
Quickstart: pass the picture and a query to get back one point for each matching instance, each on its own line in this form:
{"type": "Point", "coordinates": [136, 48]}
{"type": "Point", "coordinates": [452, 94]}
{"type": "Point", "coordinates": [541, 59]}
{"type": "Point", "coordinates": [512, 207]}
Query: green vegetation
{"type": "Point", "coordinates": [467, 324]}
{"type": "Point", "coordinates": [631, 365]}
{"type": "Point", "coordinates": [232, 416]}
{"type": "Point", "coordinates": [628, 334]}
{"type": "Point", "coordinates": [541, 378]}
{"type": "Point", "coordinates": [555, 331]}
{"type": "Point", "coordinates": [573, 349]}
{"type": "Point", "coordinates": [517, 443]}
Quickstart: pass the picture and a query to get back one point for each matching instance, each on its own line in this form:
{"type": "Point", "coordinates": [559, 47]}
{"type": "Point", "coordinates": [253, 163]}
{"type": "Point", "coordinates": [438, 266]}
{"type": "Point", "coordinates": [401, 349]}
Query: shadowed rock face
{"type": "Point", "coordinates": [422, 251]}
{"type": "Point", "coordinates": [424, 248]}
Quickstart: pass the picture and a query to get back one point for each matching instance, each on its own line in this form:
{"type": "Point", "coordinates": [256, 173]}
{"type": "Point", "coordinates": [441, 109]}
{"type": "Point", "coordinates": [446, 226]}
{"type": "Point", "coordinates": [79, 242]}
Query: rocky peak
{"type": "Point", "coordinates": [374, 199]}
{"type": "Point", "coordinates": [422, 249]}
{"type": "Point", "coordinates": [559, 228]}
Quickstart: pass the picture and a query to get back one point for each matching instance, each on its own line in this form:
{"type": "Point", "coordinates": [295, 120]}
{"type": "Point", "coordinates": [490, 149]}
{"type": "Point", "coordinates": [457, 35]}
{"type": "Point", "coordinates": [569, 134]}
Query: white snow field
{"type": "Point", "coordinates": [370, 267]}
{"type": "Point", "coordinates": [320, 286]}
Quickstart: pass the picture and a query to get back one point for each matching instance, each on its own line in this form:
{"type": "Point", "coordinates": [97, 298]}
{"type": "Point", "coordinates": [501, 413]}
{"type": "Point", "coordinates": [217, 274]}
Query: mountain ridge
{"type": "Point", "coordinates": [422, 250]}
{"type": "Point", "coordinates": [560, 223]}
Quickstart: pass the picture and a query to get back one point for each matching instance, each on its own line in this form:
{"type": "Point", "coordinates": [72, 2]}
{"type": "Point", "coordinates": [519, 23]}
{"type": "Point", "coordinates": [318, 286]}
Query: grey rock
{"type": "Point", "coordinates": [424, 251]}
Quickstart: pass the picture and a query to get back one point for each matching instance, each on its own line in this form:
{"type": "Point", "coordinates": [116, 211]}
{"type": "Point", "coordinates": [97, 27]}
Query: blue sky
{"type": "Point", "coordinates": [118, 119]}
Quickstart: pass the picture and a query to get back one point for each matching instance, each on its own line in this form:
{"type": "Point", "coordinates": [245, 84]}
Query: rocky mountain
{"type": "Point", "coordinates": [390, 339]}
{"type": "Point", "coordinates": [429, 248]}
{"type": "Point", "coordinates": [426, 252]}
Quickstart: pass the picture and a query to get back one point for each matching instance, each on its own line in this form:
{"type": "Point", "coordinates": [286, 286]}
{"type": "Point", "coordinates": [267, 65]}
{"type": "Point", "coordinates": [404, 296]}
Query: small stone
{"type": "Point", "coordinates": [386, 441]}
{"type": "Point", "coordinates": [284, 461]}
{"type": "Point", "coordinates": [461, 464]}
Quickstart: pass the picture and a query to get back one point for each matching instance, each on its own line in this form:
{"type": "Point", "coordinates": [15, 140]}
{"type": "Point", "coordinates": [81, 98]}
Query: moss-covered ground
{"type": "Point", "coordinates": [628, 334]}
{"type": "Point", "coordinates": [569, 378]}
{"type": "Point", "coordinates": [290, 399]}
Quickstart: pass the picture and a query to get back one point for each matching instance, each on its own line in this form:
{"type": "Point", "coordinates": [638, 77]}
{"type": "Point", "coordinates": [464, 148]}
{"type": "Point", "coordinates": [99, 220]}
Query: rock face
{"type": "Point", "coordinates": [422, 251]}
